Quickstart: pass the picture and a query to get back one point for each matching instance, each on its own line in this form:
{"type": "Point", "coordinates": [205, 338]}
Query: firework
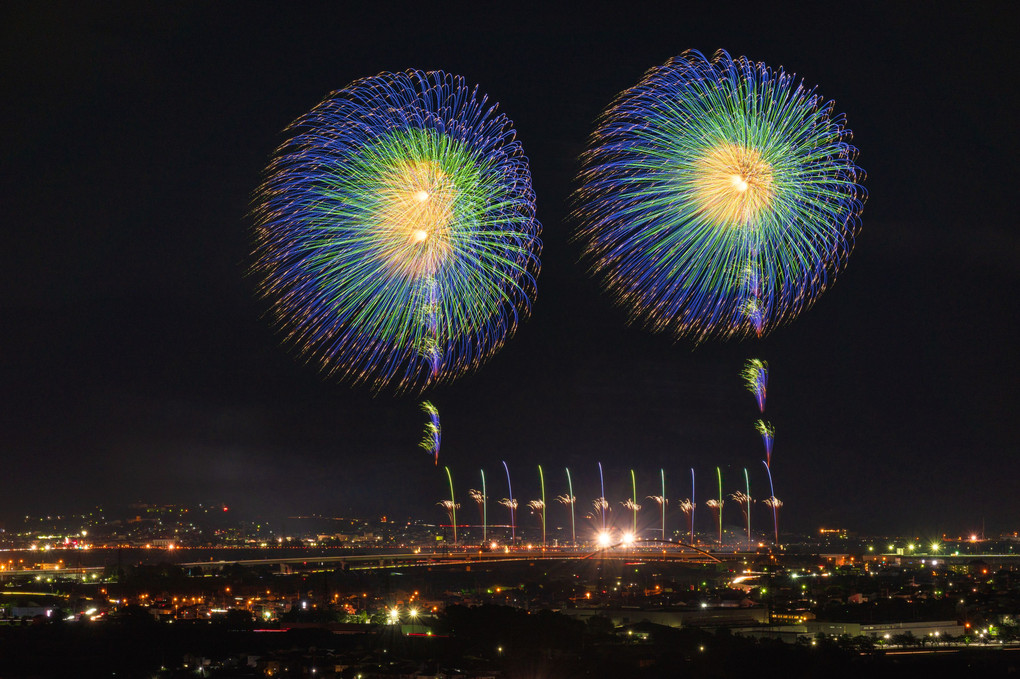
{"type": "Point", "coordinates": [485, 508]}
{"type": "Point", "coordinates": [451, 508]}
{"type": "Point", "coordinates": [744, 500]}
{"type": "Point", "coordinates": [569, 499]}
{"type": "Point", "coordinates": [451, 505]}
{"type": "Point", "coordinates": [774, 504]}
{"type": "Point", "coordinates": [768, 437]}
{"type": "Point", "coordinates": [541, 480]}
{"type": "Point", "coordinates": [687, 507]}
{"type": "Point", "coordinates": [747, 509]}
{"type": "Point", "coordinates": [511, 504]}
{"type": "Point", "coordinates": [395, 231]}
{"type": "Point", "coordinates": [601, 506]}
{"type": "Point", "coordinates": [718, 198]}
{"type": "Point", "coordinates": [715, 506]}
{"type": "Point", "coordinates": [633, 505]}
{"type": "Point", "coordinates": [634, 508]}
{"type": "Point", "coordinates": [693, 505]}
{"type": "Point", "coordinates": [538, 506]}
{"type": "Point", "coordinates": [756, 377]}
{"type": "Point", "coordinates": [718, 473]}
{"type": "Point", "coordinates": [479, 497]}
{"type": "Point", "coordinates": [602, 498]}
{"type": "Point", "coordinates": [433, 433]}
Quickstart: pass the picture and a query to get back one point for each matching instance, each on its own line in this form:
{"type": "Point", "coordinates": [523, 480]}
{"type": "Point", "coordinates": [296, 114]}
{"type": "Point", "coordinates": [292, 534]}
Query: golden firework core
{"type": "Point", "coordinates": [732, 184]}
{"type": "Point", "coordinates": [415, 211]}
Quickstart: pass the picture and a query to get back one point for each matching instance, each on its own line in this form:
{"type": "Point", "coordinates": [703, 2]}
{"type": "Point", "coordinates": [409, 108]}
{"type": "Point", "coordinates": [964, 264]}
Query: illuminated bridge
{"type": "Point", "coordinates": [649, 550]}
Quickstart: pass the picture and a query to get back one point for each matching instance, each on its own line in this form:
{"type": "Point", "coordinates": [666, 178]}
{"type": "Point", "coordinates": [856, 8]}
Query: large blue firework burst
{"type": "Point", "coordinates": [395, 231]}
{"type": "Point", "coordinates": [718, 197]}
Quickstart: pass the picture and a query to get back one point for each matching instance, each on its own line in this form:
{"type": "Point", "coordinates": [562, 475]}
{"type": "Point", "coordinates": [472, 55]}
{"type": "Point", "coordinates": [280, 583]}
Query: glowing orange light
{"type": "Point", "coordinates": [733, 184]}
{"type": "Point", "coordinates": [413, 215]}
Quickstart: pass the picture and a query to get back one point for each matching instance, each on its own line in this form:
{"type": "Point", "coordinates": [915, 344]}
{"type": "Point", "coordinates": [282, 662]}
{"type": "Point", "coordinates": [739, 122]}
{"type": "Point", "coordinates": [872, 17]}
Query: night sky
{"type": "Point", "coordinates": [136, 363]}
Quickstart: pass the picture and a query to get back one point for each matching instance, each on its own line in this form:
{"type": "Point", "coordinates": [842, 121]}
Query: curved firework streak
{"type": "Point", "coordinates": [718, 197]}
{"type": "Point", "coordinates": [768, 438]}
{"type": "Point", "coordinates": [756, 377]}
{"type": "Point", "coordinates": [395, 231]}
{"type": "Point", "coordinates": [433, 436]}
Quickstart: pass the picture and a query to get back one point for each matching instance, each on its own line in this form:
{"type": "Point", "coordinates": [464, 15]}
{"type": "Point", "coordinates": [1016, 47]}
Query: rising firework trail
{"type": "Point", "coordinates": [687, 507]}
{"type": "Point", "coordinates": [750, 501]}
{"type": "Point", "coordinates": [768, 436]}
{"type": "Point", "coordinates": [601, 506]}
{"type": "Point", "coordinates": [452, 507]}
{"type": "Point", "coordinates": [634, 505]}
{"type": "Point", "coordinates": [602, 497]}
{"type": "Point", "coordinates": [634, 508]}
{"type": "Point", "coordinates": [569, 499]}
{"type": "Point", "coordinates": [541, 480]}
{"type": "Point", "coordinates": [756, 377]}
{"type": "Point", "coordinates": [661, 499]}
{"type": "Point", "coordinates": [715, 507]}
{"type": "Point", "coordinates": [433, 432]}
{"type": "Point", "coordinates": [773, 505]}
{"type": "Point", "coordinates": [693, 505]}
{"type": "Point", "coordinates": [744, 501]}
{"type": "Point", "coordinates": [718, 473]}
{"type": "Point", "coordinates": [481, 499]}
{"type": "Point", "coordinates": [511, 504]}
{"type": "Point", "coordinates": [538, 506]}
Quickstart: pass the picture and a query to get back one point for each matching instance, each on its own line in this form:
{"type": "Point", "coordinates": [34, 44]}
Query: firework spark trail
{"type": "Point", "coordinates": [718, 473]}
{"type": "Point", "coordinates": [452, 505]}
{"type": "Point", "coordinates": [718, 197]}
{"type": "Point", "coordinates": [538, 506]}
{"type": "Point", "coordinates": [693, 505]}
{"type": "Point", "coordinates": [481, 499]}
{"type": "Point", "coordinates": [756, 377]}
{"type": "Point", "coordinates": [571, 500]}
{"type": "Point", "coordinates": [602, 497]}
{"type": "Point", "coordinates": [744, 500]}
{"type": "Point", "coordinates": [433, 432]}
{"type": "Point", "coordinates": [395, 231]}
{"type": "Point", "coordinates": [511, 504]}
{"type": "Point", "coordinates": [687, 507]}
{"type": "Point", "coordinates": [634, 508]}
{"type": "Point", "coordinates": [601, 506]}
{"type": "Point", "coordinates": [662, 502]}
{"type": "Point", "coordinates": [750, 501]}
{"type": "Point", "coordinates": [633, 501]}
{"type": "Point", "coordinates": [768, 437]}
{"type": "Point", "coordinates": [541, 479]}
{"type": "Point", "coordinates": [715, 506]}
{"type": "Point", "coordinates": [773, 505]}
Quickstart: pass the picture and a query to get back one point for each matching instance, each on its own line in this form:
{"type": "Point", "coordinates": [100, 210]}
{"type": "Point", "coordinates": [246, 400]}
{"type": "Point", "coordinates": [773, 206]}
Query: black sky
{"type": "Point", "coordinates": [135, 364]}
